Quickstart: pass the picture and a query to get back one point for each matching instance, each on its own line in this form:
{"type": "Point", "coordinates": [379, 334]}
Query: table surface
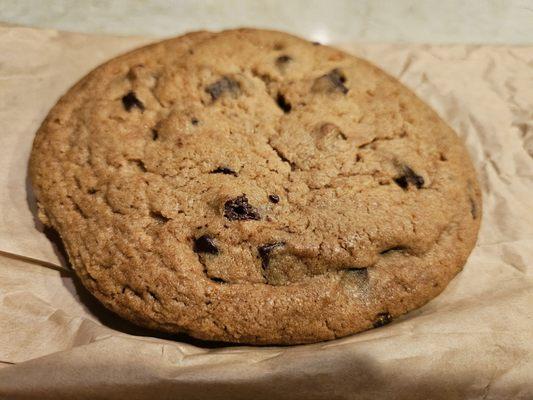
{"type": "Point", "coordinates": [428, 21]}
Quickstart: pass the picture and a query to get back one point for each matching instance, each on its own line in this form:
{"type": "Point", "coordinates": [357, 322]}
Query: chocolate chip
{"type": "Point", "coordinates": [239, 209]}
{"type": "Point", "coordinates": [130, 100]}
{"type": "Point", "coordinates": [264, 252]}
{"type": "Point", "coordinates": [224, 170]}
{"type": "Point", "coordinates": [223, 85]}
{"type": "Point", "coordinates": [274, 198]}
{"type": "Point", "coordinates": [415, 179]}
{"type": "Point", "coordinates": [217, 280]}
{"type": "Point", "coordinates": [409, 177]}
{"type": "Point", "coordinates": [316, 43]}
{"type": "Point", "coordinates": [194, 121]}
{"type": "Point", "coordinates": [155, 134]}
{"type": "Point", "coordinates": [330, 82]}
{"type": "Point", "coordinates": [205, 244]}
{"type": "Point", "coordinates": [282, 103]}
{"type": "Point", "coordinates": [281, 61]}
{"type": "Point", "coordinates": [402, 181]}
{"type": "Point", "coordinates": [382, 318]}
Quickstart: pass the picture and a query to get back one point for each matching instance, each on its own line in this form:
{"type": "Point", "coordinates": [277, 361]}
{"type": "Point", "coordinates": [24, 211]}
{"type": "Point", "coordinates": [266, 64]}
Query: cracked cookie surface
{"type": "Point", "coordinates": [249, 186]}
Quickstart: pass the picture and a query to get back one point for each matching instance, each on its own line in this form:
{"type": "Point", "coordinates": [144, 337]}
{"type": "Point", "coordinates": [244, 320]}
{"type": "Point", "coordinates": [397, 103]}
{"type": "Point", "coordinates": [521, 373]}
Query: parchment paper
{"type": "Point", "coordinates": [475, 341]}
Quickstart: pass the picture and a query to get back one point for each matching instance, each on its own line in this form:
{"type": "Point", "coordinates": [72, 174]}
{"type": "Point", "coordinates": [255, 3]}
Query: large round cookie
{"type": "Point", "coordinates": [249, 186]}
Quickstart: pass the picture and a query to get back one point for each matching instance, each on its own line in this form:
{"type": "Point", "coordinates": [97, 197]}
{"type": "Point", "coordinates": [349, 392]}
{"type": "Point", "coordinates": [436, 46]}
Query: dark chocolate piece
{"type": "Point", "coordinates": [205, 244]}
{"type": "Point", "coordinates": [402, 182]}
{"type": "Point", "coordinates": [130, 100]}
{"type": "Point", "coordinates": [409, 177]}
{"type": "Point", "coordinates": [239, 209]}
{"type": "Point", "coordinates": [413, 178]}
{"type": "Point", "coordinates": [274, 198]}
{"type": "Point", "coordinates": [282, 103]}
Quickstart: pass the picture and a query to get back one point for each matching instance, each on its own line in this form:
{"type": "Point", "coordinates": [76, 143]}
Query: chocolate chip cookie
{"type": "Point", "coordinates": [250, 186]}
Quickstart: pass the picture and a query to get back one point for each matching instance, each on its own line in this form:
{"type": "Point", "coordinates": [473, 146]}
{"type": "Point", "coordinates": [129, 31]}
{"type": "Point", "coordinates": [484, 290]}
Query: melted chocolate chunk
{"type": "Point", "coordinates": [415, 179]}
{"type": "Point", "coordinates": [402, 182]}
{"type": "Point", "coordinates": [409, 177]}
{"type": "Point", "coordinates": [130, 100]}
{"type": "Point", "coordinates": [224, 170]}
{"type": "Point", "coordinates": [239, 209]}
{"type": "Point", "coordinates": [274, 198]}
{"type": "Point", "coordinates": [331, 82]}
{"type": "Point", "coordinates": [223, 85]}
{"type": "Point", "coordinates": [282, 103]}
{"type": "Point", "coordinates": [383, 318]}
{"type": "Point", "coordinates": [205, 244]}
{"type": "Point", "coordinates": [194, 121]}
{"type": "Point", "coordinates": [264, 252]}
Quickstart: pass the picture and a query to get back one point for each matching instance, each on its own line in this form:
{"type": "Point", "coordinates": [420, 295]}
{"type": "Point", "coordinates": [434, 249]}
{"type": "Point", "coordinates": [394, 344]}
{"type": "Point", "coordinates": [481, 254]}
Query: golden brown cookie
{"type": "Point", "coordinates": [249, 186]}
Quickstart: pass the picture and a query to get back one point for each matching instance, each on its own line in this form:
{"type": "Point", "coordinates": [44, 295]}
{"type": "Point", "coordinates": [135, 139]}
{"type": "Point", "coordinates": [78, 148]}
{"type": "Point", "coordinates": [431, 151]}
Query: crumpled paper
{"type": "Point", "coordinates": [474, 341]}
